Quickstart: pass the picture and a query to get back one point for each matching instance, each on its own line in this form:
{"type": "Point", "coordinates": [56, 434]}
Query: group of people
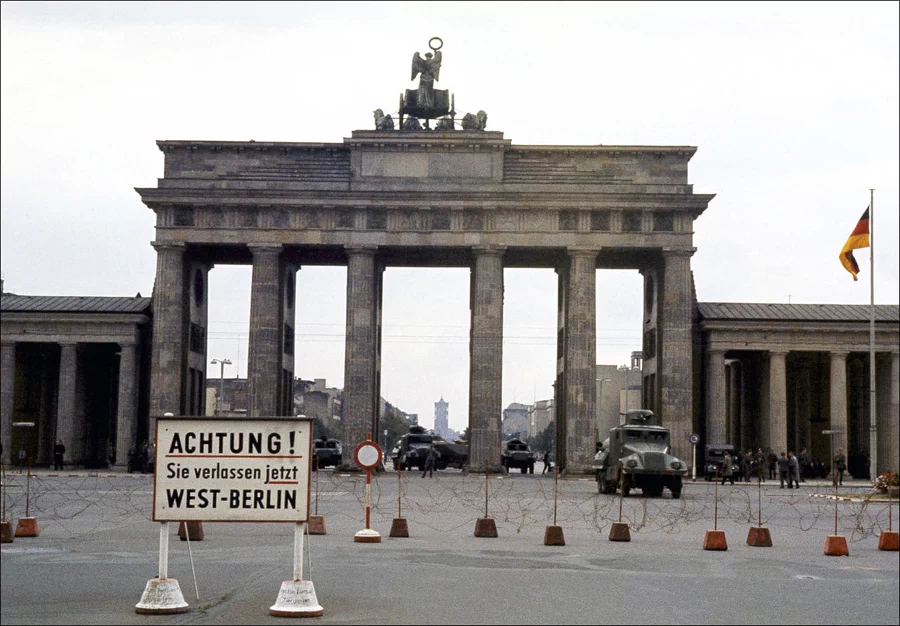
{"type": "Point", "coordinates": [143, 458]}
{"type": "Point", "coordinates": [788, 466]}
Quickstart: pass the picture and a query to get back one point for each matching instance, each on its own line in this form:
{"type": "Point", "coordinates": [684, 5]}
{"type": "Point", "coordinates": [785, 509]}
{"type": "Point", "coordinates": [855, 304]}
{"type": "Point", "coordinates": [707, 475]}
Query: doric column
{"type": "Point", "coordinates": [777, 401]}
{"type": "Point", "coordinates": [7, 397]}
{"type": "Point", "coordinates": [65, 402]}
{"type": "Point", "coordinates": [887, 402]}
{"type": "Point", "coordinates": [167, 369]}
{"type": "Point", "coordinates": [839, 398]}
{"type": "Point", "coordinates": [734, 402]}
{"type": "Point", "coordinates": [126, 419]}
{"type": "Point", "coordinates": [360, 385]}
{"type": "Point", "coordinates": [486, 359]}
{"type": "Point", "coordinates": [264, 363]}
{"type": "Point", "coordinates": [715, 397]}
{"type": "Point", "coordinates": [581, 360]}
{"type": "Point", "coordinates": [676, 359]}
{"type": "Point", "coordinates": [892, 459]}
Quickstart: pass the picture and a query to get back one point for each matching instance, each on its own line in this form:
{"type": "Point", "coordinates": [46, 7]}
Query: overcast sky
{"type": "Point", "coordinates": [793, 108]}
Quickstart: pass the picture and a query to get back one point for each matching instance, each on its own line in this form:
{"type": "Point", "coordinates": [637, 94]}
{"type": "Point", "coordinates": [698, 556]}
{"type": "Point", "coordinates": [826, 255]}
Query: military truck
{"type": "Point", "coordinates": [517, 453]}
{"type": "Point", "coordinates": [326, 452]}
{"type": "Point", "coordinates": [411, 450]}
{"type": "Point", "coordinates": [637, 455]}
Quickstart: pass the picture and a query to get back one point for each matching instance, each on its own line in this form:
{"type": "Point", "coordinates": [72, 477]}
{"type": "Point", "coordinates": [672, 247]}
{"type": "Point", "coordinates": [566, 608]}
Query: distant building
{"type": "Point", "coordinates": [540, 414]}
{"type": "Point", "coordinates": [515, 420]}
{"type": "Point", "coordinates": [314, 398]}
{"type": "Point", "coordinates": [233, 402]}
{"type": "Point", "coordinates": [442, 417]}
{"type": "Point", "coordinates": [618, 389]}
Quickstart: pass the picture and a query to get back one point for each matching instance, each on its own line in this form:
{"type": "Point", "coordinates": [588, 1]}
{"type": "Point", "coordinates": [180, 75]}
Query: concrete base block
{"type": "Point", "coordinates": [367, 535]}
{"type": "Point", "coordinates": [6, 532]}
{"type": "Point", "coordinates": [316, 525]}
{"type": "Point", "coordinates": [399, 527]}
{"type": "Point", "coordinates": [296, 598]}
{"type": "Point", "coordinates": [485, 527]}
{"type": "Point", "coordinates": [759, 537]}
{"type": "Point", "coordinates": [195, 529]}
{"type": "Point", "coordinates": [553, 536]}
{"type": "Point", "coordinates": [889, 540]}
{"type": "Point", "coordinates": [619, 532]}
{"type": "Point", "coordinates": [27, 527]}
{"type": "Point", "coordinates": [162, 596]}
{"type": "Point", "coordinates": [715, 540]}
{"type": "Point", "coordinates": [836, 545]}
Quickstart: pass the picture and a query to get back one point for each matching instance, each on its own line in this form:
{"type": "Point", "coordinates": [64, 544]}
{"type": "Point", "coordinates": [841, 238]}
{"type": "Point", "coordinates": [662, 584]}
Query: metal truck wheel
{"type": "Point", "coordinates": [675, 487]}
{"type": "Point", "coordinates": [626, 486]}
{"type": "Point", "coordinates": [531, 469]}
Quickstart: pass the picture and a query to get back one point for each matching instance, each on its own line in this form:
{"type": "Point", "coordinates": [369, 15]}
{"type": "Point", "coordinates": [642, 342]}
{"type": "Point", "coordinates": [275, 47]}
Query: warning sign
{"type": "Point", "coordinates": [232, 470]}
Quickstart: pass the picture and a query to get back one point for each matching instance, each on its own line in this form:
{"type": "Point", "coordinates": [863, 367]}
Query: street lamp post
{"type": "Point", "coordinates": [222, 363]}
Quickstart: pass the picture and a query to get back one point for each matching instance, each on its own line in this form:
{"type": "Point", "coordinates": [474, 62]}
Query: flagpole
{"type": "Point", "coordinates": [873, 420]}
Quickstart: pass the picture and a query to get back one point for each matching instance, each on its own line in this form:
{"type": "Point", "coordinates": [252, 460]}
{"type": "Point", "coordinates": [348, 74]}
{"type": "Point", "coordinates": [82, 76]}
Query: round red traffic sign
{"type": "Point", "coordinates": [367, 455]}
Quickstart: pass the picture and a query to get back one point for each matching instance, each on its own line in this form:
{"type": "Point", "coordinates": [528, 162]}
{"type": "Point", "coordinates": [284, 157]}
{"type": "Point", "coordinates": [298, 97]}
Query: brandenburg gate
{"type": "Point", "coordinates": [426, 198]}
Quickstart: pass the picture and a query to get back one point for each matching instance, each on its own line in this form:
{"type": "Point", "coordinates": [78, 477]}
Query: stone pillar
{"type": "Point", "coordinates": [892, 460]}
{"type": "Point", "coordinates": [486, 360]}
{"type": "Point", "coordinates": [7, 398]}
{"type": "Point", "coordinates": [715, 397]}
{"type": "Point", "coordinates": [65, 402]}
{"type": "Point", "coordinates": [360, 388]}
{"type": "Point", "coordinates": [747, 424]}
{"type": "Point", "coordinates": [126, 419]}
{"type": "Point", "coordinates": [675, 364]}
{"type": "Point", "coordinates": [264, 362]}
{"type": "Point", "coordinates": [734, 401]}
{"type": "Point", "coordinates": [887, 436]}
{"type": "Point", "coordinates": [839, 399]}
{"type": "Point", "coordinates": [559, 393]}
{"type": "Point", "coordinates": [777, 402]}
{"type": "Point", "coordinates": [170, 341]}
{"type": "Point", "coordinates": [581, 360]}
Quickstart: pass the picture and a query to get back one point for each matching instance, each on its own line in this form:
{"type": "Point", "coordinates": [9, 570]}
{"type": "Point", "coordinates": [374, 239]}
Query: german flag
{"type": "Point", "coordinates": [859, 238]}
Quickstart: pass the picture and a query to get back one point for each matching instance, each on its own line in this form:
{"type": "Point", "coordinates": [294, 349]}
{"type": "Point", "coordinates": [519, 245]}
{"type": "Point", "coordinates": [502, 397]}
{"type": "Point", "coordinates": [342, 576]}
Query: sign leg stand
{"type": "Point", "coordinates": [6, 529]}
{"type": "Point", "coordinates": [297, 597]}
{"type": "Point", "coordinates": [162, 595]}
{"type": "Point", "coordinates": [27, 526]}
{"type": "Point", "coordinates": [367, 535]}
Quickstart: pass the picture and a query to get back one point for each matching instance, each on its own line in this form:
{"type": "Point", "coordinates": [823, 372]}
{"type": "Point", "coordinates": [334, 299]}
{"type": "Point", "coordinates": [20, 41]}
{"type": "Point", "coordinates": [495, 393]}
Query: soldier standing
{"type": "Point", "coordinates": [840, 465]}
{"type": "Point", "coordinates": [727, 469]}
{"type": "Point", "coordinates": [784, 468]}
{"type": "Point", "coordinates": [430, 461]}
{"type": "Point", "coordinates": [58, 451]}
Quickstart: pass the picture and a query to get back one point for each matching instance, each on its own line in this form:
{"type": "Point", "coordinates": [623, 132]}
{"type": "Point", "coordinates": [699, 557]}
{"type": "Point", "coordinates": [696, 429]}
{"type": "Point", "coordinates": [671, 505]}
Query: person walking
{"type": "Point", "coordinates": [840, 465]}
{"type": "Point", "coordinates": [548, 462]}
{"type": "Point", "coordinates": [773, 464]}
{"type": "Point", "coordinates": [747, 465]}
{"type": "Point", "coordinates": [430, 461]}
{"type": "Point", "coordinates": [59, 451]}
{"type": "Point", "coordinates": [784, 467]}
{"type": "Point", "coordinates": [727, 469]}
{"type": "Point", "coordinates": [793, 470]}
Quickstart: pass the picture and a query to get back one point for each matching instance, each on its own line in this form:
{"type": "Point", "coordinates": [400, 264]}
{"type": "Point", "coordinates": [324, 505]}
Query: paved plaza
{"type": "Point", "coordinates": [98, 548]}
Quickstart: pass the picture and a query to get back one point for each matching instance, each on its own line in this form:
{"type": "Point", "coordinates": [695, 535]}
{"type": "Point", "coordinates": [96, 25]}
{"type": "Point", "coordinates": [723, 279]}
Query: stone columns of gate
{"type": "Point", "coordinates": [777, 401]}
{"type": "Point", "coordinates": [676, 357]}
{"type": "Point", "coordinates": [734, 401]}
{"type": "Point", "coordinates": [7, 397]}
{"type": "Point", "coordinates": [126, 419]}
{"type": "Point", "coordinates": [715, 397]}
{"type": "Point", "coordinates": [581, 361]}
{"type": "Point", "coordinates": [839, 399]}
{"type": "Point", "coordinates": [264, 363]}
{"type": "Point", "coordinates": [361, 355]}
{"type": "Point", "coordinates": [65, 401]}
{"type": "Point", "coordinates": [486, 359]}
{"type": "Point", "coordinates": [170, 341]}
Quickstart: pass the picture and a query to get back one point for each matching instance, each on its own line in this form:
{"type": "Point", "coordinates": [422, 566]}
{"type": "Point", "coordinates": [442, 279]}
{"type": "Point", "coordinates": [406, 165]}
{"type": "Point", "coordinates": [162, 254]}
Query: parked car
{"type": "Point", "coordinates": [715, 457]}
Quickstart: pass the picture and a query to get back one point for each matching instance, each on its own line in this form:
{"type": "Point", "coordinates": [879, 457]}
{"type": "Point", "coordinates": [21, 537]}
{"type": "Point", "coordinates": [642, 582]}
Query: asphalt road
{"type": "Point", "coordinates": [98, 548]}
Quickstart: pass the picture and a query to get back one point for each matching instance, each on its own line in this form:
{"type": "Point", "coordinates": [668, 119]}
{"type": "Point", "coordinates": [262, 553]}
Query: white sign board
{"type": "Point", "coordinates": [232, 470]}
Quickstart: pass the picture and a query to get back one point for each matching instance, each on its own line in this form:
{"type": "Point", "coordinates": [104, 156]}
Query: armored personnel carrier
{"type": "Point", "coordinates": [517, 453]}
{"type": "Point", "coordinates": [637, 455]}
{"type": "Point", "coordinates": [411, 450]}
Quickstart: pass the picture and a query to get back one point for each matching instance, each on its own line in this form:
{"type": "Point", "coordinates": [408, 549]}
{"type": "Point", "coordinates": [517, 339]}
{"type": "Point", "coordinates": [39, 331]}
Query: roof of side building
{"type": "Point", "coordinates": [11, 302]}
{"type": "Point", "coordinates": [744, 311]}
